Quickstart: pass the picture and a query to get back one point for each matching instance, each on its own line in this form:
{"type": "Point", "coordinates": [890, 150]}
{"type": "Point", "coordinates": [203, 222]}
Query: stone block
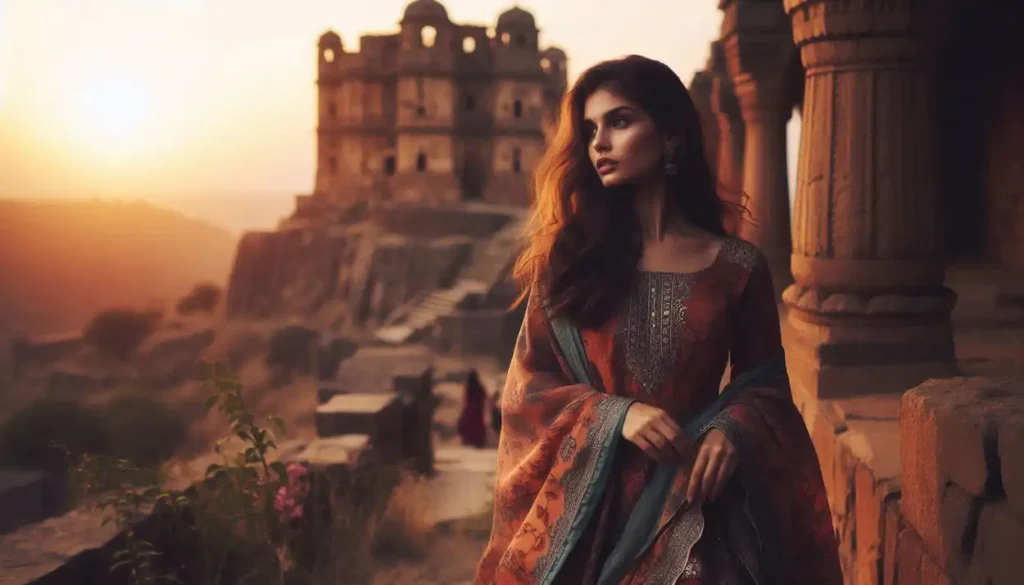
{"type": "Point", "coordinates": [914, 566]}
{"type": "Point", "coordinates": [325, 392]}
{"type": "Point", "coordinates": [947, 433]}
{"type": "Point", "coordinates": [1011, 461]}
{"type": "Point", "coordinates": [891, 533]}
{"type": "Point", "coordinates": [868, 452]}
{"type": "Point", "coordinates": [412, 378]}
{"type": "Point", "coordinates": [958, 519]}
{"type": "Point", "coordinates": [347, 451]}
{"type": "Point", "coordinates": [1001, 544]}
{"type": "Point", "coordinates": [378, 416]}
{"type": "Point", "coordinates": [870, 501]}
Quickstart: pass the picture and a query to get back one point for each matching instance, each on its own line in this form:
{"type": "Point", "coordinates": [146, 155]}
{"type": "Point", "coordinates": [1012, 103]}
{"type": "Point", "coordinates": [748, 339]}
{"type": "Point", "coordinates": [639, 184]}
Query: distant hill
{"type": "Point", "coordinates": [62, 261]}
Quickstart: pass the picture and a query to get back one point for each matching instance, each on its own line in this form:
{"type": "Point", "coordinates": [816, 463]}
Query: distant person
{"type": "Point", "coordinates": [472, 428]}
{"type": "Point", "coordinates": [619, 462]}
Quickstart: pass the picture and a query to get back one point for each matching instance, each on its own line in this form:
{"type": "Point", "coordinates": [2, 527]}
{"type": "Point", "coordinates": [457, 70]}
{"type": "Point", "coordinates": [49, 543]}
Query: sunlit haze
{"type": "Point", "coordinates": [174, 100]}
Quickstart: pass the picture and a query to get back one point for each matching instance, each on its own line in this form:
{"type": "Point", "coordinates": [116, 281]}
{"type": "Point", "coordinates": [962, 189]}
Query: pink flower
{"type": "Point", "coordinates": [288, 499]}
{"type": "Point", "coordinates": [296, 472]}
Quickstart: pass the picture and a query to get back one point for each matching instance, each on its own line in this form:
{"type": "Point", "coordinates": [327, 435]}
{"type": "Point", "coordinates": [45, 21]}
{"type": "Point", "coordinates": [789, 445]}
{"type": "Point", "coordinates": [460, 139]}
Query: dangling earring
{"type": "Point", "coordinates": [670, 158]}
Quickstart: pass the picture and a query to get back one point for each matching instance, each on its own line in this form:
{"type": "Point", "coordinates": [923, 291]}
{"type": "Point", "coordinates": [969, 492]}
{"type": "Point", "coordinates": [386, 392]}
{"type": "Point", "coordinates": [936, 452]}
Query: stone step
{"type": "Point", "coordinates": [439, 303]}
{"type": "Point", "coordinates": [394, 333]}
{"type": "Point", "coordinates": [333, 452]}
{"type": "Point", "coordinates": [379, 416]}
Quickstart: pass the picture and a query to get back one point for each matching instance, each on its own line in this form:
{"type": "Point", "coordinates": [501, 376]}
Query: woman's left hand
{"type": "Point", "coordinates": [716, 462]}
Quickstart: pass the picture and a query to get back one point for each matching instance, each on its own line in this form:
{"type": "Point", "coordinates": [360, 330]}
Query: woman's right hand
{"type": "Point", "coordinates": [655, 432]}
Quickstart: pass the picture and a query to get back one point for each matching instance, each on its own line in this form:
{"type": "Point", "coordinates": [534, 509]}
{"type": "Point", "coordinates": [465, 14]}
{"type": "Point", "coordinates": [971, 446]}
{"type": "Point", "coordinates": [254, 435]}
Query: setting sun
{"type": "Point", "coordinates": [110, 114]}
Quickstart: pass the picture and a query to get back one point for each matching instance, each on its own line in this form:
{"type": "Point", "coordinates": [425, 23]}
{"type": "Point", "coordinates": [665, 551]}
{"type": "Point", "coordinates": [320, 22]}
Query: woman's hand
{"type": "Point", "coordinates": [716, 462]}
{"type": "Point", "coordinates": [654, 431]}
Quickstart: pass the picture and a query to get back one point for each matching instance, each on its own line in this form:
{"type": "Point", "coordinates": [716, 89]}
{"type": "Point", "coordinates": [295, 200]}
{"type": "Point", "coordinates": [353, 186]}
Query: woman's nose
{"type": "Point", "coordinates": [601, 143]}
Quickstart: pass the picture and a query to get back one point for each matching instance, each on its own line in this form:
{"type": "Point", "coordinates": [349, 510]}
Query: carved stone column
{"type": "Point", "coordinates": [700, 93]}
{"type": "Point", "coordinates": [868, 312]}
{"type": "Point", "coordinates": [726, 109]}
{"type": "Point", "coordinates": [759, 51]}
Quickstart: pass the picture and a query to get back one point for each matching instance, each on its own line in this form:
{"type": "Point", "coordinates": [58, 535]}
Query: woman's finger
{"type": "Point", "coordinates": [675, 442]}
{"type": "Point", "coordinates": [645, 446]}
{"type": "Point", "coordinates": [665, 448]}
{"type": "Point", "coordinates": [708, 483]}
{"type": "Point", "coordinates": [724, 473]}
{"type": "Point", "coordinates": [697, 475]}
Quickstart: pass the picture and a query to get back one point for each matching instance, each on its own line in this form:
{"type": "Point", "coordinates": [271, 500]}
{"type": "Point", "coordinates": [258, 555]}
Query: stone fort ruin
{"type": "Point", "coordinates": [437, 112]}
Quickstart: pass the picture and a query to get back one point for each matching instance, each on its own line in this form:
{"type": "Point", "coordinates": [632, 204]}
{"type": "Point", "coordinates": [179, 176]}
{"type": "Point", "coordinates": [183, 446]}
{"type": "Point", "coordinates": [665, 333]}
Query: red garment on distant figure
{"type": "Point", "coordinates": [472, 427]}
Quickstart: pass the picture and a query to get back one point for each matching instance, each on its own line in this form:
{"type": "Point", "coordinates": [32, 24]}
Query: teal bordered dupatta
{"type": "Point", "coordinates": [641, 527]}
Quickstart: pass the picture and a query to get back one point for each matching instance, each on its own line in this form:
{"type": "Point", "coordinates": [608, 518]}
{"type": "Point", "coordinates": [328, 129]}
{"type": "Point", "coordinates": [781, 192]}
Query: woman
{"type": "Point", "coordinates": [641, 476]}
{"type": "Point", "coordinates": [472, 428]}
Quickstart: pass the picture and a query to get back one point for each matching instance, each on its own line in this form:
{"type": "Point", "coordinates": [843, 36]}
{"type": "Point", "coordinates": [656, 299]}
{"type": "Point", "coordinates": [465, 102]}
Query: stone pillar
{"type": "Point", "coordinates": [868, 312]}
{"type": "Point", "coordinates": [700, 93]}
{"type": "Point", "coordinates": [729, 160]}
{"type": "Point", "coordinates": [759, 51]}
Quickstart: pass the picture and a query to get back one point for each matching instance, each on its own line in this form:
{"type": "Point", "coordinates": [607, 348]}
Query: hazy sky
{"type": "Point", "coordinates": [165, 98]}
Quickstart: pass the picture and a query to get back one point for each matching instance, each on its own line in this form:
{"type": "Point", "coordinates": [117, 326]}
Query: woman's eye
{"type": "Point", "coordinates": [620, 123]}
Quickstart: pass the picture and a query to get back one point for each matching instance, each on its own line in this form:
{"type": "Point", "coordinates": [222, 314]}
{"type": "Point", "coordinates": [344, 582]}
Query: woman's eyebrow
{"type": "Point", "coordinates": [612, 112]}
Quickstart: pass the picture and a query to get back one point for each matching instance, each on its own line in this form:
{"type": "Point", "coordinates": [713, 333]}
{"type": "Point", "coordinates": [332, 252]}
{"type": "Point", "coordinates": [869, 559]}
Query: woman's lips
{"type": "Point", "coordinates": [605, 167]}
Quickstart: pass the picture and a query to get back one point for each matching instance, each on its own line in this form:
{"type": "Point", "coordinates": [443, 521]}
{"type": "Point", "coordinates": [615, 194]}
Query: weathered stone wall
{"type": "Point", "coordinates": [927, 488]}
{"type": "Point", "coordinates": [477, 332]}
{"type": "Point", "coordinates": [963, 483]}
{"type": "Point", "coordinates": [296, 272]}
{"type": "Point", "coordinates": [290, 271]}
{"type": "Point", "coordinates": [433, 221]}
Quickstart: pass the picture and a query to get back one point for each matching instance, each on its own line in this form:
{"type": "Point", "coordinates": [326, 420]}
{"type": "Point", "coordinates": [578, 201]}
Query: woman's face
{"type": "Point", "coordinates": [622, 140]}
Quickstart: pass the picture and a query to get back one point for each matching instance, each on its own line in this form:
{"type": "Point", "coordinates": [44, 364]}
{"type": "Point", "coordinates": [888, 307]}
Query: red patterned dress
{"type": "Point", "coordinates": [567, 483]}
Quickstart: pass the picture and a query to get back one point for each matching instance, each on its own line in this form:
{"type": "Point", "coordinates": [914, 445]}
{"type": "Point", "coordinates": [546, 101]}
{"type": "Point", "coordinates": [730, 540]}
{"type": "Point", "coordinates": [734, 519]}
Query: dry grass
{"type": "Point", "coordinates": [404, 530]}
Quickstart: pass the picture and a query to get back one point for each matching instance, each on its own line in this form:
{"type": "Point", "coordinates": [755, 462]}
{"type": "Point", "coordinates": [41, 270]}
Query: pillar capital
{"type": "Point", "coordinates": [757, 42]}
{"type": "Point", "coordinates": [723, 98]}
{"type": "Point", "coordinates": [862, 32]}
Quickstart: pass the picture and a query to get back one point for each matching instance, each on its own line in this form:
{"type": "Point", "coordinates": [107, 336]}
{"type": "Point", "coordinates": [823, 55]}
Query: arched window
{"type": "Point", "coordinates": [329, 55]}
{"type": "Point", "coordinates": [470, 103]}
{"type": "Point", "coordinates": [517, 160]}
{"type": "Point", "coordinates": [505, 37]}
{"type": "Point", "coordinates": [468, 45]}
{"type": "Point", "coordinates": [517, 109]}
{"type": "Point", "coordinates": [389, 165]}
{"type": "Point", "coordinates": [428, 36]}
{"type": "Point", "coordinates": [421, 162]}
{"type": "Point", "coordinates": [521, 40]}
{"type": "Point", "coordinates": [545, 64]}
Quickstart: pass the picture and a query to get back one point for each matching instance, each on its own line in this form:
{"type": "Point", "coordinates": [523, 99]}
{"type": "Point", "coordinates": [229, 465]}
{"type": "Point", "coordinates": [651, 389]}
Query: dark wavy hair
{"type": "Point", "coordinates": [583, 242]}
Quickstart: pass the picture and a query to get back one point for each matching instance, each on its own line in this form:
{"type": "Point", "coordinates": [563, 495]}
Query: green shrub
{"type": "Point", "coordinates": [203, 298]}
{"type": "Point", "coordinates": [119, 332]}
{"type": "Point", "coordinates": [291, 348]}
{"type": "Point", "coordinates": [131, 426]}
{"type": "Point", "coordinates": [33, 436]}
{"type": "Point", "coordinates": [142, 428]}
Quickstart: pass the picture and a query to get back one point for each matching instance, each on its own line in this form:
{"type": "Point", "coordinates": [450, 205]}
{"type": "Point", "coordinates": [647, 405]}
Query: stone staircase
{"type": "Point", "coordinates": [490, 262]}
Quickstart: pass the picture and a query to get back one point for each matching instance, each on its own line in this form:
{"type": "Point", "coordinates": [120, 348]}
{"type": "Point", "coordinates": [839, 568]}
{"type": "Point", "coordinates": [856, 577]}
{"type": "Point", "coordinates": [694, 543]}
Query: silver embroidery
{"type": "Point", "coordinates": [737, 251]}
{"type": "Point", "coordinates": [682, 535]}
{"type": "Point", "coordinates": [654, 326]}
{"type": "Point", "coordinates": [576, 480]}
{"type": "Point", "coordinates": [693, 569]}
